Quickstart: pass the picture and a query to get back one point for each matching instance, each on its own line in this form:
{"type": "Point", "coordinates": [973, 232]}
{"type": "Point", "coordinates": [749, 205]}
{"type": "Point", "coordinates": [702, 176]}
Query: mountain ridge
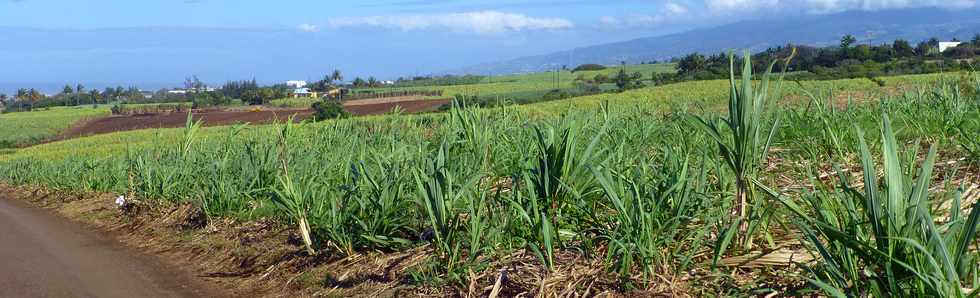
{"type": "Point", "coordinates": [814, 30]}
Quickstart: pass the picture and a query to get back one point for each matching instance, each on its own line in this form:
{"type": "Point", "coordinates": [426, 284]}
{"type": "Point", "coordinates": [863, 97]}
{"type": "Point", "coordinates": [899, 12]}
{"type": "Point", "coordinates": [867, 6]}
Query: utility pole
{"type": "Point", "coordinates": [557, 78]}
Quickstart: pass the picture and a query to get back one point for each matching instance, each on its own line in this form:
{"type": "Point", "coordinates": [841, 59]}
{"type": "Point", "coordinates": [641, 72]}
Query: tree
{"type": "Point", "coordinates": [588, 67]}
{"type": "Point", "coordinates": [691, 63]}
{"type": "Point", "coordinates": [976, 40]}
{"type": "Point", "coordinates": [960, 52]}
{"type": "Point", "coordinates": [847, 41]}
{"type": "Point", "coordinates": [626, 82]}
{"type": "Point", "coordinates": [78, 92]}
{"type": "Point", "coordinates": [359, 82]}
{"type": "Point", "coordinates": [924, 49]}
{"type": "Point", "coordinates": [21, 94]}
{"type": "Point", "coordinates": [882, 53]}
{"type": "Point", "coordinates": [193, 83]}
{"type": "Point", "coordinates": [95, 95]}
{"type": "Point", "coordinates": [601, 78]}
{"type": "Point", "coordinates": [34, 96]}
{"type": "Point", "coordinates": [902, 48]}
{"type": "Point", "coordinates": [67, 90]}
{"type": "Point", "coordinates": [372, 82]}
{"type": "Point", "coordinates": [324, 110]}
{"type": "Point", "coordinates": [109, 94]}
{"type": "Point", "coordinates": [860, 52]}
{"type": "Point", "coordinates": [337, 76]}
{"type": "Point", "coordinates": [251, 97]}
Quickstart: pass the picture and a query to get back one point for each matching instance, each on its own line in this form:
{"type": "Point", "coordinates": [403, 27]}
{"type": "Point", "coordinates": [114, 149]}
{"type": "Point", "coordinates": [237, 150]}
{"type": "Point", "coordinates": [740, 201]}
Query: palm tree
{"type": "Point", "coordinates": [78, 92]}
{"type": "Point", "coordinates": [21, 94]}
{"type": "Point", "coordinates": [847, 41]}
{"type": "Point", "coordinates": [34, 97]}
{"type": "Point", "coordinates": [336, 76]}
{"type": "Point", "coordinates": [95, 96]}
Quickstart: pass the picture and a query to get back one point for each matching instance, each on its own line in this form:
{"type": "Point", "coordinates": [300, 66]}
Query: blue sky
{"type": "Point", "coordinates": [157, 42]}
{"type": "Point", "coordinates": [284, 14]}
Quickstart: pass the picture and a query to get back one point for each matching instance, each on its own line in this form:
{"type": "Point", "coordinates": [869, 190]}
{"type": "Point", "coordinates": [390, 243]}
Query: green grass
{"type": "Point", "coordinates": [26, 128]}
{"type": "Point", "coordinates": [518, 85]}
{"type": "Point", "coordinates": [292, 102]}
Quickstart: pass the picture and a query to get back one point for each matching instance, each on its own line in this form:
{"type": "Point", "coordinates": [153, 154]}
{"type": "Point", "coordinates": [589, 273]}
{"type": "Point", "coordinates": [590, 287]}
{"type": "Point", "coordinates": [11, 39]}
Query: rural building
{"type": "Point", "coordinates": [191, 90]}
{"type": "Point", "coordinates": [304, 93]}
{"type": "Point", "coordinates": [296, 84]}
{"type": "Point", "coordinates": [946, 45]}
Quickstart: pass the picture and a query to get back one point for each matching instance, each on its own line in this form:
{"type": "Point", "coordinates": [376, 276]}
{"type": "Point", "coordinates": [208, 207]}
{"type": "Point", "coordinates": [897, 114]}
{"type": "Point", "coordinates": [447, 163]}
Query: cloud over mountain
{"type": "Point", "coordinates": [483, 22]}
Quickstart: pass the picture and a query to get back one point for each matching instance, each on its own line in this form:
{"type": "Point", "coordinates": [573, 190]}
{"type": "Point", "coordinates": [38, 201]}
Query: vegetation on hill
{"type": "Point", "coordinates": [447, 80]}
{"type": "Point", "coordinates": [588, 67]}
{"type": "Point", "coordinates": [848, 60]}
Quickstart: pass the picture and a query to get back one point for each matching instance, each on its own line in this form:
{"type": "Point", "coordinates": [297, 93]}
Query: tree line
{"type": "Point", "coordinates": [27, 99]}
{"type": "Point", "coordinates": [194, 90]}
{"type": "Point", "coordinates": [846, 60]}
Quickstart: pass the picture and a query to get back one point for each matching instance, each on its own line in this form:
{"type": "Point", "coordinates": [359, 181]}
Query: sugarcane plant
{"type": "Point", "coordinates": [288, 197]}
{"type": "Point", "coordinates": [743, 143]}
{"type": "Point", "coordinates": [883, 241]}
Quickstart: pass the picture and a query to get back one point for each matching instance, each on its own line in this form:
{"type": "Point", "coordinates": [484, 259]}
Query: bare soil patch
{"type": "Point", "coordinates": [218, 117]}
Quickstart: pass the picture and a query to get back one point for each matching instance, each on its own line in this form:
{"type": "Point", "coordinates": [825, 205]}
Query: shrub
{"type": "Point", "coordinates": [588, 67]}
{"type": "Point", "coordinates": [874, 78]}
{"type": "Point", "coordinates": [323, 110]}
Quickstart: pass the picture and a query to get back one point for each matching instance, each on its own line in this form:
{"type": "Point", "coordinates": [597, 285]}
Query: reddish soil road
{"type": "Point", "coordinates": [42, 255]}
{"type": "Point", "coordinates": [228, 117]}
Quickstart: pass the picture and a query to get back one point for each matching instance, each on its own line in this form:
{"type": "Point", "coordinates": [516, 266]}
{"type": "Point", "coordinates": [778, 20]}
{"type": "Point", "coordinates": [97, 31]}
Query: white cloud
{"type": "Point", "coordinates": [720, 11]}
{"type": "Point", "coordinates": [309, 28]}
{"type": "Point", "coordinates": [669, 11]}
{"type": "Point", "coordinates": [483, 22]}
{"type": "Point", "coordinates": [675, 9]}
{"type": "Point", "coordinates": [828, 6]}
{"type": "Point", "coordinates": [609, 21]}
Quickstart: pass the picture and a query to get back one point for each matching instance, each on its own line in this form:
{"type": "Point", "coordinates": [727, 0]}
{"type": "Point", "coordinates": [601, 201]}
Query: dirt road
{"type": "Point", "coordinates": [42, 255]}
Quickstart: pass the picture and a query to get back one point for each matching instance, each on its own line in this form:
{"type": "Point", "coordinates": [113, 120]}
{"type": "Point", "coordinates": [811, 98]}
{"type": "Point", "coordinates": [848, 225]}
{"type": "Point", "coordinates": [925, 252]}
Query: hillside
{"type": "Point", "coordinates": [818, 30]}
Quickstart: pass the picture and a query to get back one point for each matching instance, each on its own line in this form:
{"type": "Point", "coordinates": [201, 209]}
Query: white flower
{"type": "Point", "coordinates": [121, 201]}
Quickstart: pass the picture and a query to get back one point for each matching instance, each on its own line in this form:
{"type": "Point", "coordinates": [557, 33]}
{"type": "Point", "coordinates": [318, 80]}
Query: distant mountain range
{"type": "Point", "coordinates": [816, 30]}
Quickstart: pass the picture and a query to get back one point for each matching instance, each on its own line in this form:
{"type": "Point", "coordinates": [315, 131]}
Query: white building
{"type": "Point", "coordinates": [296, 84]}
{"type": "Point", "coordinates": [946, 45]}
{"type": "Point", "coordinates": [191, 90]}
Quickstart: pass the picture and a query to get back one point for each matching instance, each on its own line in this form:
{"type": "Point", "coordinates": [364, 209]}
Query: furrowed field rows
{"type": "Point", "coordinates": [681, 182]}
{"type": "Point", "coordinates": [694, 95]}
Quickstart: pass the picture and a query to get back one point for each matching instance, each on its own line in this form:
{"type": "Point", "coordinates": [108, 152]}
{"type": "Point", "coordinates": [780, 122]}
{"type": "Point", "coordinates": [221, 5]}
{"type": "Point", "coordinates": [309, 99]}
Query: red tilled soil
{"type": "Point", "coordinates": [227, 117]}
